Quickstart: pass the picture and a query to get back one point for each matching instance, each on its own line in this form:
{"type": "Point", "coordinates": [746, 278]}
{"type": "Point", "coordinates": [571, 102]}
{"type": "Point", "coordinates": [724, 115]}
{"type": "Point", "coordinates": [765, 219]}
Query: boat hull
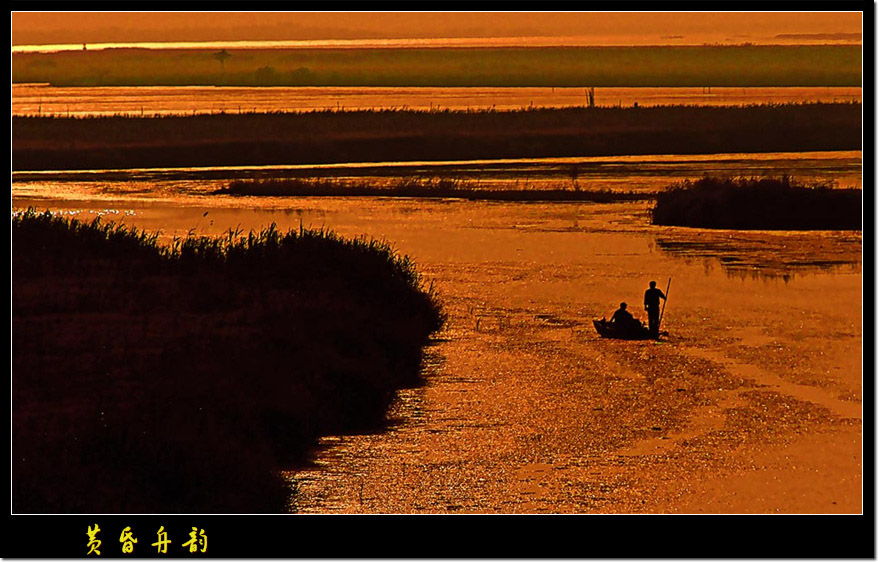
{"type": "Point", "coordinates": [611, 331]}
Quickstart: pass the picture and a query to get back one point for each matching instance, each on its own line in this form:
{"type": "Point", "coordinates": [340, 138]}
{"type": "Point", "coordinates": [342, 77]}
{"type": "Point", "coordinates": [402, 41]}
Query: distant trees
{"type": "Point", "coordinates": [221, 56]}
{"type": "Point", "coordinates": [266, 76]}
{"type": "Point", "coordinates": [302, 75]}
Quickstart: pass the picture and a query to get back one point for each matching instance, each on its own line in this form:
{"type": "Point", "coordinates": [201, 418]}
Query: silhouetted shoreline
{"type": "Point", "coordinates": [326, 137]}
{"type": "Point", "coordinates": [419, 187]}
{"type": "Point", "coordinates": [182, 378]}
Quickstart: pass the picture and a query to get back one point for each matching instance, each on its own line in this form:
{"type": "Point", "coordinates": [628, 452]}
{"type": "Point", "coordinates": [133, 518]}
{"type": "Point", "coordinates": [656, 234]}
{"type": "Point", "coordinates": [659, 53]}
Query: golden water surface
{"type": "Point", "coordinates": [751, 404]}
{"type": "Point", "coordinates": [42, 99]}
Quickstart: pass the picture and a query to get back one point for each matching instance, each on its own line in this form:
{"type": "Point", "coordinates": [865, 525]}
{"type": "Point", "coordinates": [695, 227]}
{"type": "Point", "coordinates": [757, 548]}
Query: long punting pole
{"type": "Point", "coordinates": [662, 315]}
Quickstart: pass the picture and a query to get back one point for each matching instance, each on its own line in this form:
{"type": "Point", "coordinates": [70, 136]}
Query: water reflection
{"type": "Point", "coordinates": [312, 486]}
{"type": "Point", "coordinates": [766, 256]}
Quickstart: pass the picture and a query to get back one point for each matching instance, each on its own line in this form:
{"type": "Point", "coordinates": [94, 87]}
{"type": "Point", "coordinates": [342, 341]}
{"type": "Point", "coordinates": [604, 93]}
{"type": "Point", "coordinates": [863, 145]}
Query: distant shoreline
{"type": "Point", "coordinates": [739, 65]}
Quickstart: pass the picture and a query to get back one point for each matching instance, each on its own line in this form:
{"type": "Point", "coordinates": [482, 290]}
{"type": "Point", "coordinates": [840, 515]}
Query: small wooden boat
{"type": "Point", "coordinates": [612, 330]}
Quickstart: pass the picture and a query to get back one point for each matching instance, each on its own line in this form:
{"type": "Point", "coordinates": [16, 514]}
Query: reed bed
{"type": "Point", "coordinates": [150, 378]}
{"type": "Point", "coordinates": [59, 143]}
{"type": "Point", "coordinates": [766, 203]}
{"type": "Point", "coordinates": [416, 187]}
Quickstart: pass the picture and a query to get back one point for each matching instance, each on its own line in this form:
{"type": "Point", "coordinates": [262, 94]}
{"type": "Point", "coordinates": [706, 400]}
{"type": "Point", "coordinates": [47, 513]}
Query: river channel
{"type": "Point", "coordinates": [751, 404]}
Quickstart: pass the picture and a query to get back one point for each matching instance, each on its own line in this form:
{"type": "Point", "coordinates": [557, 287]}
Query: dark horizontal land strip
{"type": "Point", "coordinates": [58, 143]}
{"type": "Point", "coordinates": [410, 187]}
{"type": "Point", "coordinates": [656, 66]}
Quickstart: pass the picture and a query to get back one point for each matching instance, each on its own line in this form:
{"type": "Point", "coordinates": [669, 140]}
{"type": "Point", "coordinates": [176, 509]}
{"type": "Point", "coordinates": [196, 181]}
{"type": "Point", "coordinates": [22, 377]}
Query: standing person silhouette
{"type": "Point", "coordinates": [651, 301]}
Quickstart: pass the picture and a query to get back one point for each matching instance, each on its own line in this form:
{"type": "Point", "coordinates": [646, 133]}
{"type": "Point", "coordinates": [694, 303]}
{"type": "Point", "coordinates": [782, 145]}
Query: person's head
{"type": "Point", "coordinates": [652, 284]}
{"type": "Point", "coordinates": [623, 305]}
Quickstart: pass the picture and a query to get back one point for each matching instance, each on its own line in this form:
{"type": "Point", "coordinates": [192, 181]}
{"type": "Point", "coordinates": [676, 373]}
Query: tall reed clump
{"type": "Point", "coordinates": [759, 204]}
{"type": "Point", "coordinates": [162, 379]}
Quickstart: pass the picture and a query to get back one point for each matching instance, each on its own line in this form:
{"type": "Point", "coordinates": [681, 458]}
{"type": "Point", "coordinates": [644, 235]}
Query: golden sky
{"type": "Point", "coordinates": [604, 27]}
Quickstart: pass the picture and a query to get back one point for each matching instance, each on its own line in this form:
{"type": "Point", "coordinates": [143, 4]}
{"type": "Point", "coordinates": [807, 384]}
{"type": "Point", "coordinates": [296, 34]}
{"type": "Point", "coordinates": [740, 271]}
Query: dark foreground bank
{"type": "Point", "coordinates": [58, 143]}
{"type": "Point", "coordinates": [759, 204]}
{"type": "Point", "coordinates": [153, 379]}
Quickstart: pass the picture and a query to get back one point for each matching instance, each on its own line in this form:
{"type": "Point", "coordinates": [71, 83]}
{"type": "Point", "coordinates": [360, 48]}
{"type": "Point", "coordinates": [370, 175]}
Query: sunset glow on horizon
{"type": "Point", "coordinates": [583, 28]}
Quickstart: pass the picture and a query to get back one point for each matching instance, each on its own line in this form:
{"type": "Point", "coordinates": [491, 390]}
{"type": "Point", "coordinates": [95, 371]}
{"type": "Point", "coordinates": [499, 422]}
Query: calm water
{"type": "Point", "coordinates": [35, 99]}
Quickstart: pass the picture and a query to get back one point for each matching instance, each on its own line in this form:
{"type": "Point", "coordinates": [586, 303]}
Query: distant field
{"type": "Point", "coordinates": [58, 143]}
{"type": "Point", "coordinates": [825, 65]}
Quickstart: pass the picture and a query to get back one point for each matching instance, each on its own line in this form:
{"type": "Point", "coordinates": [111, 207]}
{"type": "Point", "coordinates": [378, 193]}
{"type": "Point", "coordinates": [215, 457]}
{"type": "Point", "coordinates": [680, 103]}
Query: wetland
{"type": "Point", "coordinates": [752, 404]}
{"type": "Point", "coordinates": [273, 280]}
{"type": "Point", "coordinates": [518, 188]}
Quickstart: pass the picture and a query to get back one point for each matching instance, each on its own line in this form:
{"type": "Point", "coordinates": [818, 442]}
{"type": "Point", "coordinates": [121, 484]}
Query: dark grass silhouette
{"type": "Point", "coordinates": [58, 143]}
{"type": "Point", "coordinates": [425, 187]}
{"type": "Point", "coordinates": [181, 378]}
{"type": "Point", "coordinates": [759, 204]}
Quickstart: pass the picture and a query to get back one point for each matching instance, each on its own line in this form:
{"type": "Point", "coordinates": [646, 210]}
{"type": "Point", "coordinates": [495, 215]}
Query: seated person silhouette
{"type": "Point", "coordinates": [623, 319]}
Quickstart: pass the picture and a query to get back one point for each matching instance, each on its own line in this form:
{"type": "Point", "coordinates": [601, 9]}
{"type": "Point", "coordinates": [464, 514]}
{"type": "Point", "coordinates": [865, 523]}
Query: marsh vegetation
{"type": "Point", "coordinates": [767, 203]}
{"type": "Point", "coordinates": [444, 187]}
{"type": "Point", "coordinates": [150, 378]}
{"type": "Point", "coordinates": [58, 143]}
